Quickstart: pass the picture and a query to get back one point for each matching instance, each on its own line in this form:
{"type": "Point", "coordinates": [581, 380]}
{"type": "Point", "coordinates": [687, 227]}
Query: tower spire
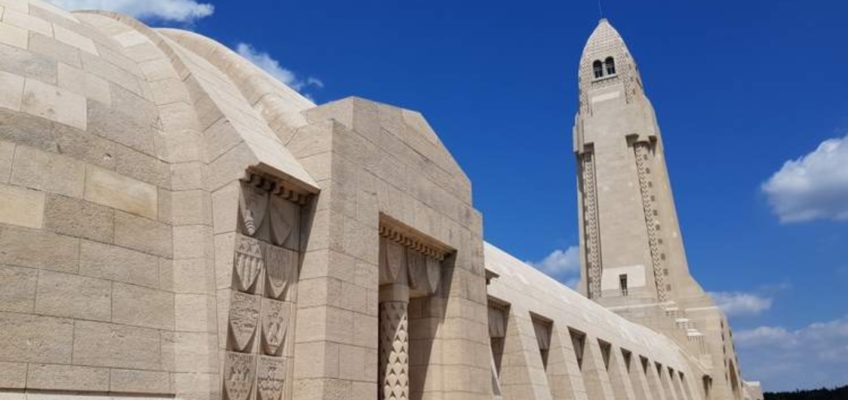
{"type": "Point", "coordinates": [631, 243]}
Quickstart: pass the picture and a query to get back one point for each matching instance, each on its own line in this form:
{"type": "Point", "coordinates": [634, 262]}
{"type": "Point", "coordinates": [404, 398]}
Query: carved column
{"type": "Point", "coordinates": [394, 342]}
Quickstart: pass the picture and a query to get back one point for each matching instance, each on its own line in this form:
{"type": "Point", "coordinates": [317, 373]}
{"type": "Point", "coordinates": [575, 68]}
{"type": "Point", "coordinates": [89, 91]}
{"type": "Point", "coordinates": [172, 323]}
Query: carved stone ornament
{"type": "Point", "coordinates": [424, 272]}
{"type": "Point", "coordinates": [275, 322]}
{"type": "Point", "coordinates": [248, 263]}
{"type": "Point", "coordinates": [271, 378]}
{"type": "Point", "coordinates": [244, 318]}
{"type": "Point", "coordinates": [280, 271]}
{"type": "Point", "coordinates": [394, 351]}
{"type": "Point", "coordinates": [253, 204]}
{"type": "Point", "coordinates": [239, 373]}
{"type": "Point", "coordinates": [281, 215]}
{"type": "Point", "coordinates": [392, 262]}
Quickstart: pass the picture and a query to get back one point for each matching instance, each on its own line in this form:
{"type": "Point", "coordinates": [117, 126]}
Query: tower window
{"type": "Point", "coordinates": [598, 68]}
{"type": "Point", "coordinates": [622, 280]}
{"type": "Point", "coordinates": [610, 66]}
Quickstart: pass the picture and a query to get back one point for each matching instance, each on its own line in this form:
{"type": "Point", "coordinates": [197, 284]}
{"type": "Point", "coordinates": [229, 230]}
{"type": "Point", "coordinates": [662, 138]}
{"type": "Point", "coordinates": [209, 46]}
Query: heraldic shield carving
{"type": "Point", "coordinates": [275, 319]}
{"type": "Point", "coordinates": [239, 375]}
{"type": "Point", "coordinates": [271, 378]}
{"type": "Point", "coordinates": [264, 273]}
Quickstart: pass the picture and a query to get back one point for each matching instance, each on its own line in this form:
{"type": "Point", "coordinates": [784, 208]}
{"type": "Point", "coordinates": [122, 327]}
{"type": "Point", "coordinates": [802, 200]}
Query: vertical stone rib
{"type": "Point", "coordinates": [642, 152]}
{"type": "Point", "coordinates": [591, 225]}
{"type": "Point", "coordinates": [394, 350]}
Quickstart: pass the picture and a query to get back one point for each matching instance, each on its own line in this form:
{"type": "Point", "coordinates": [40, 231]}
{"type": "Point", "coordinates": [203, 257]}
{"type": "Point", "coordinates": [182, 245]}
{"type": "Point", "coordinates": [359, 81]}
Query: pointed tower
{"type": "Point", "coordinates": [632, 249]}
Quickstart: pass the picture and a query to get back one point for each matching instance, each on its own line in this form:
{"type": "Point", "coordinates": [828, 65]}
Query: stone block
{"type": "Point", "coordinates": [67, 295]}
{"type": "Point", "coordinates": [54, 103]}
{"type": "Point", "coordinates": [135, 381]}
{"type": "Point", "coordinates": [21, 206]}
{"type": "Point", "coordinates": [84, 83]}
{"type": "Point", "coordinates": [12, 87]}
{"type": "Point", "coordinates": [317, 359]}
{"type": "Point", "coordinates": [195, 352]}
{"type": "Point", "coordinates": [140, 306]}
{"type": "Point", "coordinates": [49, 172]}
{"type": "Point", "coordinates": [192, 241]}
{"type": "Point", "coordinates": [187, 176]}
{"type": "Point", "coordinates": [112, 124]}
{"type": "Point", "coordinates": [12, 375]}
{"type": "Point", "coordinates": [13, 35]}
{"type": "Point", "coordinates": [21, 62]}
{"type": "Point", "coordinates": [7, 153]}
{"type": "Point", "coordinates": [18, 294]}
{"type": "Point", "coordinates": [120, 192]}
{"type": "Point", "coordinates": [193, 207]}
{"type": "Point", "coordinates": [225, 208]}
{"type": "Point", "coordinates": [74, 39]}
{"type": "Point", "coordinates": [74, 217]}
{"type": "Point", "coordinates": [191, 276]}
{"type": "Point", "coordinates": [111, 72]}
{"type": "Point", "coordinates": [195, 313]}
{"type": "Point", "coordinates": [35, 338]}
{"type": "Point", "coordinates": [110, 345]}
{"type": "Point", "coordinates": [141, 166]}
{"type": "Point", "coordinates": [25, 21]}
{"type": "Point", "coordinates": [54, 50]}
{"type": "Point", "coordinates": [38, 249]}
{"type": "Point", "coordinates": [142, 234]}
{"type": "Point", "coordinates": [67, 377]}
{"type": "Point", "coordinates": [118, 264]}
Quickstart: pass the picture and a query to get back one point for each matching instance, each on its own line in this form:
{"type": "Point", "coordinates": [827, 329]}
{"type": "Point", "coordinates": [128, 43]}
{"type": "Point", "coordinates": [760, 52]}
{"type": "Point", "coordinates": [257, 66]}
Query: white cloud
{"type": "Point", "coordinates": [738, 303]}
{"type": "Point", "coordinates": [562, 265]}
{"type": "Point", "coordinates": [168, 10]}
{"type": "Point", "coordinates": [264, 60]}
{"type": "Point", "coordinates": [811, 357]}
{"type": "Point", "coordinates": [814, 186]}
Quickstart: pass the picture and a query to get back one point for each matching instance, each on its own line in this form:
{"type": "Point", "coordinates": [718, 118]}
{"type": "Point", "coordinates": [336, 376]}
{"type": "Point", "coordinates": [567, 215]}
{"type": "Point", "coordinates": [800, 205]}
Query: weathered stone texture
{"type": "Point", "coordinates": [68, 295]}
{"type": "Point", "coordinates": [49, 172]}
{"type": "Point", "coordinates": [21, 206]}
{"type": "Point", "coordinates": [111, 345]}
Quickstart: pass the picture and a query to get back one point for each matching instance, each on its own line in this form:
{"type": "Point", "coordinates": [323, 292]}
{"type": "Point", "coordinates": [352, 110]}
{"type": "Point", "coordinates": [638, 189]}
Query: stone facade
{"type": "Point", "coordinates": [176, 223]}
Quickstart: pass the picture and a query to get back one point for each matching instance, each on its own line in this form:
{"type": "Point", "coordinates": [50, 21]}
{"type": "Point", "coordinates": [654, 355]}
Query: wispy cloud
{"type": "Point", "coordinates": [264, 60]}
{"type": "Point", "coordinates": [185, 11]}
{"type": "Point", "coordinates": [810, 357]}
{"type": "Point", "coordinates": [814, 186]}
{"type": "Point", "coordinates": [562, 265]}
{"type": "Point", "coordinates": [741, 304]}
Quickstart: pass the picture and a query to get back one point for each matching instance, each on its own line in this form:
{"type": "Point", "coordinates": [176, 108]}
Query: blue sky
{"type": "Point", "coordinates": [740, 88]}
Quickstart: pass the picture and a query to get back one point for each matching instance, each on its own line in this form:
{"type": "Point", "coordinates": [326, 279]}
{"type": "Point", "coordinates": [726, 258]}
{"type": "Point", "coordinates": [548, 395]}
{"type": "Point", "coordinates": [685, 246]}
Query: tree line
{"type": "Point", "coordinates": [839, 393]}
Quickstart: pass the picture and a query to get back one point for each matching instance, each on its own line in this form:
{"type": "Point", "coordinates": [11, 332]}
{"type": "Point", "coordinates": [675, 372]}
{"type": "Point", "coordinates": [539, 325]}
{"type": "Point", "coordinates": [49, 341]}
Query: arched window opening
{"type": "Point", "coordinates": [610, 65]}
{"type": "Point", "coordinates": [598, 67]}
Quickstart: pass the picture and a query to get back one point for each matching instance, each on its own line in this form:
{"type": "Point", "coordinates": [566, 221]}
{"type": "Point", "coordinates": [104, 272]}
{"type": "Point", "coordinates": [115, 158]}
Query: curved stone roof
{"type": "Point", "coordinates": [527, 289]}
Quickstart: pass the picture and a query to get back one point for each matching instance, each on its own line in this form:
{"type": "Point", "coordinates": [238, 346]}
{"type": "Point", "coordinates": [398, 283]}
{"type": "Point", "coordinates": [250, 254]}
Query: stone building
{"type": "Point", "coordinates": [176, 223]}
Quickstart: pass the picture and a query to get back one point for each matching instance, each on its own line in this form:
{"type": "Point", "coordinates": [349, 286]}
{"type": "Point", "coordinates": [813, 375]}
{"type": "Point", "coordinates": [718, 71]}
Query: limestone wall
{"type": "Point", "coordinates": [581, 350]}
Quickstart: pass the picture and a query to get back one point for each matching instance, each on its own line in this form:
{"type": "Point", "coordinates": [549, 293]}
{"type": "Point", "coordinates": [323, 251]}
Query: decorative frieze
{"type": "Point", "coordinates": [411, 242]}
{"type": "Point", "coordinates": [642, 152]}
{"type": "Point", "coordinates": [591, 225]}
{"type": "Point", "coordinates": [274, 186]}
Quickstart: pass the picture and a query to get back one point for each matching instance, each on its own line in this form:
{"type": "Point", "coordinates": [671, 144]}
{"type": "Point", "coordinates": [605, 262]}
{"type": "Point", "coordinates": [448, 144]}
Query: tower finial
{"type": "Point", "coordinates": [601, 10]}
